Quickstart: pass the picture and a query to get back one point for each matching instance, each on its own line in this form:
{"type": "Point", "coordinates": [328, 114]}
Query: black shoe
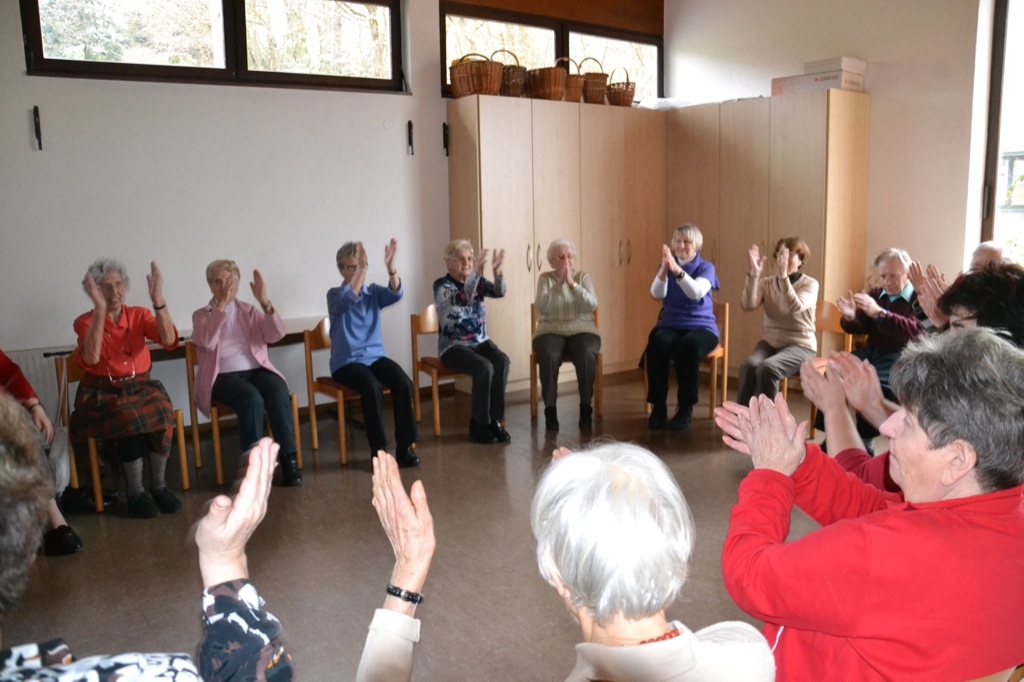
{"type": "Point", "coordinates": [586, 416]}
{"type": "Point", "coordinates": [656, 421]}
{"type": "Point", "coordinates": [80, 501]}
{"type": "Point", "coordinates": [61, 541]}
{"type": "Point", "coordinates": [498, 429]}
{"type": "Point", "coordinates": [290, 474]}
{"type": "Point", "coordinates": [406, 457]}
{"type": "Point", "coordinates": [481, 433]}
{"type": "Point", "coordinates": [551, 418]}
{"type": "Point", "coordinates": [165, 499]}
{"type": "Point", "coordinates": [142, 506]}
{"type": "Point", "coordinates": [682, 420]}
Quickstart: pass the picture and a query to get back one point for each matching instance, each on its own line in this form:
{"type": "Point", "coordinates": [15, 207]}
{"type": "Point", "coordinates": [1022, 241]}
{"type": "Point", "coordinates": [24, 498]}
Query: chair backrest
{"type": "Point", "coordinates": [422, 323]}
{"type": "Point", "coordinates": [827, 318]}
{"type": "Point", "coordinates": [722, 318]}
{"type": "Point", "coordinates": [317, 338]}
{"type": "Point", "coordinates": [67, 369]}
{"type": "Point", "coordinates": [191, 364]}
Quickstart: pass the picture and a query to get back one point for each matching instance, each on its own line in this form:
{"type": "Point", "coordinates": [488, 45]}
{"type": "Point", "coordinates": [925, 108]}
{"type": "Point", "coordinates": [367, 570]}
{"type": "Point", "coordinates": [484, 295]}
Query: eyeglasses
{"type": "Point", "coordinates": [348, 268]}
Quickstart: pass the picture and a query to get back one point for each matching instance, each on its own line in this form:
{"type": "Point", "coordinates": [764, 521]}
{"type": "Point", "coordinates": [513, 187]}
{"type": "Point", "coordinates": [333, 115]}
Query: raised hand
{"type": "Point", "coordinates": [782, 262]}
{"type": "Point", "coordinates": [361, 258]}
{"type": "Point", "coordinates": [668, 261]}
{"type": "Point", "coordinates": [390, 249]}
{"type": "Point", "coordinates": [221, 535]}
{"type": "Point", "coordinates": [756, 260]}
{"type": "Point", "coordinates": [99, 302]}
{"type": "Point", "coordinates": [915, 273]}
{"type": "Point", "coordinates": [867, 304]}
{"type": "Point", "coordinates": [155, 280]}
{"type": "Point", "coordinates": [847, 306]}
{"type": "Point", "coordinates": [259, 288]}
{"type": "Point", "coordinates": [728, 417]}
{"type": "Point", "coordinates": [825, 391]}
{"type": "Point", "coordinates": [859, 380]}
{"type": "Point", "coordinates": [481, 261]}
{"type": "Point", "coordinates": [497, 259]}
{"type": "Point", "coordinates": [771, 433]}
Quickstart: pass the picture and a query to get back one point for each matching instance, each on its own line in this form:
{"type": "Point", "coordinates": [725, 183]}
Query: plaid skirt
{"type": "Point", "coordinates": [109, 411]}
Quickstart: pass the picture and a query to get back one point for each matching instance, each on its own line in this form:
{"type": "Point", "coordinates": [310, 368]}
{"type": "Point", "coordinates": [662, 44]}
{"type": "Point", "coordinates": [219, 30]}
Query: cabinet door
{"type": "Point", "coordinates": [744, 214]}
{"type": "Point", "coordinates": [506, 219]}
{"type": "Point", "coordinates": [603, 217]}
{"type": "Point", "coordinates": [556, 178]}
{"type": "Point", "coordinates": [692, 172]}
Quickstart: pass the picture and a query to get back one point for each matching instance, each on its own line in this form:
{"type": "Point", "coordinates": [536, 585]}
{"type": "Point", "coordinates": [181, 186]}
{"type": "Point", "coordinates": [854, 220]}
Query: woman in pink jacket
{"type": "Point", "coordinates": [231, 338]}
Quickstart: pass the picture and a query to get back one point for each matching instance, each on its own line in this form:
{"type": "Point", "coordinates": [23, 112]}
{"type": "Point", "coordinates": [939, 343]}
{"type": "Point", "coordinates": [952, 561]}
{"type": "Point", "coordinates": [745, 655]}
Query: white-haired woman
{"type": "Point", "coordinates": [117, 402]}
{"type": "Point", "coordinates": [231, 338]}
{"type": "Point", "coordinates": [686, 330]}
{"type": "Point", "coordinates": [462, 342]}
{"type": "Point", "coordinates": [565, 325]}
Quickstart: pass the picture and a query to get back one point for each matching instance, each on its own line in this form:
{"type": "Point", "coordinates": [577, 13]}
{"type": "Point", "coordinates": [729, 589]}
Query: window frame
{"type": "Point", "coordinates": [561, 27]}
{"type": "Point", "coordinates": [235, 70]}
{"type": "Point", "coordinates": [990, 204]}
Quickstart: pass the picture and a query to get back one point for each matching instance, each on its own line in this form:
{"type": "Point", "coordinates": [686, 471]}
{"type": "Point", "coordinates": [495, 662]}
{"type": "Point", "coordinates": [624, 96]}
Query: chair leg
{"type": "Point", "coordinates": [72, 468]}
{"type": "Point", "coordinates": [599, 387]}
{"type": "Point", "coordinates": [416, 392]}
{"type": "Point", "coordinates": [813, 432]}
{"type": "Point", "coordinates": [435, 396]}
{"type": "Point", "coordinates": [179, 431]}
{"type": "Point", "coordinates": [314, 437]}
{"type": "Point", "coordinates": [533, 385]}
{"type": "Point", "coordinates": [296, 430]}
{"type": "Point", "coordinates": [714, 389]}
{"type": "Point", "coordinates": [342, 441]}
{"type": "Point", "coordinates": [218, 464]}
{"type": "Point", "coordinates": [784, 388]}
{"type": "Point", "coordinates": [94, 469]}
{"type": "Point", "coordinates": [197, 453]}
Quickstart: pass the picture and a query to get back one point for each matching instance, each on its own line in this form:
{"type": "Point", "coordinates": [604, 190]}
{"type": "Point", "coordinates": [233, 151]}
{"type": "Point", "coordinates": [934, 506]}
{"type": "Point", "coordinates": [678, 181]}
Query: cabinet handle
{"type": "Point", "coordinates": [537, 259]}
{"type": "Point", "coordinates": [629, 251]}
{"type": "Point", "coordinates": [620, 252]}
{"type": "Point", "coordinates": [529, 252]}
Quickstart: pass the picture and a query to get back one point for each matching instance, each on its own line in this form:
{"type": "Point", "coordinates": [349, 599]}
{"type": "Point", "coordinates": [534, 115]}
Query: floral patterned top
{"type": "Point", "coordinates": [241, 642]}
{"type": "Point", "coordinates": [460, 309]}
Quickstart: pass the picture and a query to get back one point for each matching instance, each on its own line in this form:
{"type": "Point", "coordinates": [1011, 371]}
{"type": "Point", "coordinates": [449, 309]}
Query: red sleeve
{"type": "Point", "coordinates": [872, 470]}
{"type": "Point", "coordinates": [147, 320]}
{"type": "Point", "coordinates": [13, 381]}
{"type": "Point", "coordinates": [828, 493]}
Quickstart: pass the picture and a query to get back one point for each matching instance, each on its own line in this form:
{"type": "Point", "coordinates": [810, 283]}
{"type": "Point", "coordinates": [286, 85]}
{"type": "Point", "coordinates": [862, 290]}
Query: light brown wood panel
{"type": "Point", "coordinates": [556, 179]}
{"type": "Point", "coordinates": [693, 192]}
{"type": "Point", "coordinates": [463, 169]}
{"type": "Point", "coordinates": [744, 213]}
{"type": "Point", "coordinates": [642, 16]}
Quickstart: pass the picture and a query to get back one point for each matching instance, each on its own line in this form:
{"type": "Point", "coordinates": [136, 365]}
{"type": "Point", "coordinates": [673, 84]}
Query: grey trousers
{"type": "Point", "coordinates": [581, 348]}
{"type": "Point", "coordinates": [761, 373]}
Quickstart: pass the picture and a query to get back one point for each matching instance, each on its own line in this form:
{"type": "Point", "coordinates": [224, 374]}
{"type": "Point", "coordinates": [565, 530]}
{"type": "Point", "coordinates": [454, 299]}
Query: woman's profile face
{"type": "Point", "coordinates": [460, 265]}
{"type": "Point", "coordinates": [113, 288]}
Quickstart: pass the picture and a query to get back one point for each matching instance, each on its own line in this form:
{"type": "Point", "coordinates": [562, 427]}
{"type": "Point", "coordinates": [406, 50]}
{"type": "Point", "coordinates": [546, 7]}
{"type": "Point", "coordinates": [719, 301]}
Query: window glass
{"type": "Point", "coordinates": [533, 46]}
{"type": "Point", "coordinates": [1008, 223]}
{"type": "Point", "coordinates": [152, 32]}
{"type": "Point", "coordinates": [321, 37]}
{"type": "Point", "coordinates": [638, 61]}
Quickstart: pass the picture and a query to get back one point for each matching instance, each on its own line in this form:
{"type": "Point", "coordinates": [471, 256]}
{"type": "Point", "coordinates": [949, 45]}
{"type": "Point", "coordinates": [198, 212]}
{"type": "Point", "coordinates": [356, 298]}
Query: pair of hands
{"type": "Point", "coordinates": [259, 292]}
{"type": "Point", "coordinates": [668, 262]}
{"type": "Point", "coordinates": [757, 261]}
{"type": "Point", "coordinates": [765, 430]}
{"type": "Point", "coordinates": [565, 274]}
{"type": "Point", "coordinates": [155, 281]}
{"type": "Point", "coordinates": [497, 257]}
{"type": "Point", "coordinates": [929, 286]}
{"type": "Point", "coordinates": [851, 303]}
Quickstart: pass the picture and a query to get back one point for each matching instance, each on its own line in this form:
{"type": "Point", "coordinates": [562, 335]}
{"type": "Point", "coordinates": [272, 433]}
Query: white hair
{"type": "Point", "coordinates": [613, 528]}
{"type": "Point", "coordinates": [102, 266]}
{"type": "Point", "coordinates": [893, 254]}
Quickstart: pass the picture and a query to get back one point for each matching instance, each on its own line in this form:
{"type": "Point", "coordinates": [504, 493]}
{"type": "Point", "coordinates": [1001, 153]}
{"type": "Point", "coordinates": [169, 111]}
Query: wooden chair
{"type": "Point", "coordinates": [317, 339]}
{"type": "Point", "coordinates": [426, 323]}
{"type": "Point", "coordinates": [598, 380]}
{"type": "Point", "coordinates": [218, 410]}
{"type": "Point", "coordinates": [717, 358]}
{"type": "Point", "coordinates": [1010, 675]}
{"type": "Point", "coordinates": [68, 370]}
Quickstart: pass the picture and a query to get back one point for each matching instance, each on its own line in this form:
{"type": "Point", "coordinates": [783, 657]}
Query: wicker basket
{"type": "Point", "coordinates": [594, 84]}
{"type": "Point", "coordinates": [546, 83]}
{"type": "Point", "coordinates": [475, 76]}
{"type": "Point", "coordinates": [513, 77]}
{"type": "Point", "coordinates": [621, 94]}
{"type": "Point", "coordinates": [573, 81]}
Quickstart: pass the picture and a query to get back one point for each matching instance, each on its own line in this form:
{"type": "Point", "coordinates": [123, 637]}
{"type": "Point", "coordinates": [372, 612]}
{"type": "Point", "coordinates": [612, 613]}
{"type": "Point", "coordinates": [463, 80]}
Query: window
{"type": "Point", "coordinates": [538, 42]}
{"type": "Point", "coordinates": [309, 43]}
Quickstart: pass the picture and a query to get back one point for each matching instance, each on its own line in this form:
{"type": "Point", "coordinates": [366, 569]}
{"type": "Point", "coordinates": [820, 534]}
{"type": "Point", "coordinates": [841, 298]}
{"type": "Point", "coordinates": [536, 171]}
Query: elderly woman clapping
{"type": "Point", "coordinates": [117, 402]}
{"type": "Point", "coordinates": [231, 338]}
{"type": "Point", "coordinates": [891, 587]}
{"type": "Point", "coordinates": [565, 324]}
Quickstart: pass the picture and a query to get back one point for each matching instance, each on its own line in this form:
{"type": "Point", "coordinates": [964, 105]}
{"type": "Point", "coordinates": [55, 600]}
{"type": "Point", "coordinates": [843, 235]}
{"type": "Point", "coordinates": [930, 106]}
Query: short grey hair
{"type": "Point", "coordinates": [968, 384]}
{"type": "Point", "coordinates": [893, 254]}
{"type": "Point", "coordinates": [693, 232]}
{"type": "Point", "coordinates": [347, 250]}
{"type": "Point", "coordinates": [102, 266]}
{"type": "Point", "coordinates": [984, 253]}
{"type": "Point", "coordinates": [455, 246]}
{"type": "Point", "coordinates": [612, 526]}
{"type": "Point", "coordinates": [555, 246]}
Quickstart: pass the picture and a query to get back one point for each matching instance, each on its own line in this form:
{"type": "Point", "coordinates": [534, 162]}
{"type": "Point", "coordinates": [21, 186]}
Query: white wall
{"type": "Point", "coordinates": [182, 174]}
{"type": "Point", "coordinates": [921, 70]}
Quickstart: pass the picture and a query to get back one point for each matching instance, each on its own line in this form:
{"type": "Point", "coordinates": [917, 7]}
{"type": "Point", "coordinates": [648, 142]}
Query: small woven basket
{"type": "Point", "coordinates": [513, 77]}
{"type": "Point", "coordinates": [546, 83]}
{"type": "Point", "coordinates": [621, 94]}
{"type": "Point", "coordinates": [475, 76]}
{"type": "Point", "coordinates": [595, 84]}
{"type": "Point", "coordinates": [573, 81]}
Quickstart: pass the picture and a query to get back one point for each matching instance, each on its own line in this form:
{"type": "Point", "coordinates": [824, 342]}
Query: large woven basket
{"type": "Point", "coordinates": [471, 76]}
{"type": "Point", "coordinates": [621, 94]}
{"type": "Point", "coordinates": [546, 83]}
{"type": "Point", "coordinates": [513, 77]}
{"type": "Point", "coordinates": [573, 81]}
{"type": "Point", "coordinates": [595, 84]}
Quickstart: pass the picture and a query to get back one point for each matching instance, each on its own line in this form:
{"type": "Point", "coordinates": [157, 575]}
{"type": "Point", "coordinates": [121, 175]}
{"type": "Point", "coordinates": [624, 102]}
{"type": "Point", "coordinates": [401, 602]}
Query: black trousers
{"type": "Point", "coordinates": [685, 349]}
{"type": "Point", "coordinates": [369, 381]}
{"type": "Point", "coordinates": [488, 367]}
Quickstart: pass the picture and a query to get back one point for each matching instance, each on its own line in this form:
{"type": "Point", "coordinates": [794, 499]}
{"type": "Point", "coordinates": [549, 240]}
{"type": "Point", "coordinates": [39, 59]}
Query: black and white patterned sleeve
{"type": "Point", "coordinates": [242, 640]}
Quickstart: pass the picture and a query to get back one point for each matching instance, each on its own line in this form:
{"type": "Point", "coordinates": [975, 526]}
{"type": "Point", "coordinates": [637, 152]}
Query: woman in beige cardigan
{"type": "Point", "coordinates": [789, 298]}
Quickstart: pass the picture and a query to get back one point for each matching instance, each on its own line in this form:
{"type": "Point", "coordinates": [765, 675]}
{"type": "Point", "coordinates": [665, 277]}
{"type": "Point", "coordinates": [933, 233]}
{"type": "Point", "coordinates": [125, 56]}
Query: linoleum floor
{"type": "Point", "coordinates": [321, 560]}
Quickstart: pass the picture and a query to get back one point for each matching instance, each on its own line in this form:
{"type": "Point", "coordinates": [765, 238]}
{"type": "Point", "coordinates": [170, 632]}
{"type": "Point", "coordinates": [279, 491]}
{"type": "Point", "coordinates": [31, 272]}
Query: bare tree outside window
{"type": "Point", "coordinates": [638, 60]}
{"type": "Point", "coordinates": [533, 46]}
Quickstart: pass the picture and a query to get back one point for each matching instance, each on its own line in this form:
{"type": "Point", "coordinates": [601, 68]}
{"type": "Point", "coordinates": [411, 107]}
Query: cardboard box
{"type": "Point", "coordinates": [836, 64]}
{"type": "Point", "coordinates": [842, 80]}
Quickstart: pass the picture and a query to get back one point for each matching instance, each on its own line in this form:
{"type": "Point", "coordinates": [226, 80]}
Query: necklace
{"type": "Point", "coordinates": [674, 632]}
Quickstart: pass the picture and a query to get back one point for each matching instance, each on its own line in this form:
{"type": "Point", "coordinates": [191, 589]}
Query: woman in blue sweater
{"type": "Point", "coordinates": [686, 329]}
